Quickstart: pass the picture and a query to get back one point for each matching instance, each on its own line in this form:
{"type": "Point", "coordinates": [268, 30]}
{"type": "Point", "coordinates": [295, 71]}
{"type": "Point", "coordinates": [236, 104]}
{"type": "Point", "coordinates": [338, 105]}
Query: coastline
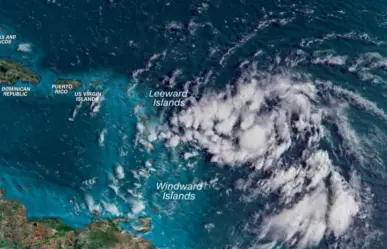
{"type": "Point", "coordinates": [19, 231]}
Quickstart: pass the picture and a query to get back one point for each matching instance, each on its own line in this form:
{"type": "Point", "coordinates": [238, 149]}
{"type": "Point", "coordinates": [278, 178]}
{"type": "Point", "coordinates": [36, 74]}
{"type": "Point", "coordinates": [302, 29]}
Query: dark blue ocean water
{"type": "Point", "coordinates": [45, 158]}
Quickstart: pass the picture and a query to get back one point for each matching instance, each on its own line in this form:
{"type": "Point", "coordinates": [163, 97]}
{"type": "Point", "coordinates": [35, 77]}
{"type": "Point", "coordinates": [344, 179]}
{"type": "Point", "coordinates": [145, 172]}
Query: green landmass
{"type": "Point", "coordinates": [12, 71]}
{"type": "Point", "coordinates": [145, 224]}
{"type": "Point", "coordinates": [18, 232]}
{"type": "Point", "coordinates": [74, 83]}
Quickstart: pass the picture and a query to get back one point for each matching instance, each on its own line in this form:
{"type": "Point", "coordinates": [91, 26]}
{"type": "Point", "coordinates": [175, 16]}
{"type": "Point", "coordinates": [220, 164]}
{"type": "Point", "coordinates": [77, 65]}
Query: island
{"type": "Point", "coordinates": [67, 82]}
{"type": "Point", "coordinates": [19, 232]}
{"type": "Point", "coordinates": [12, 71]}
{"type": "Point", "coordinates": [145, 224]}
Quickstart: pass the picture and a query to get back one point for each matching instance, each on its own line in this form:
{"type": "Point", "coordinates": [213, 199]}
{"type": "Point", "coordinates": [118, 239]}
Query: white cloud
{"type": "Point", "coordinates": [241, 128]}
{"type": "Point", "coordinates": [303, 224]}
{"type": "Point", "coordinates": [101, 139]}
{"type": "Point", "coordinates": [92, 206]}
{"type": "Point", "coordinates": [254, 139]}
{"type": "Point", "coordinates": [344, 206]}
{"type": "Point", "coordinates": [24, 47]}
{"type": "Point", "coordinates": [254, 125]}
{"type": "Point", "coordinates": [111, 208]}
{"type": "Point", "coordinates": [137, 206]}
{"type": "Point", "coordinates": [120, 173]}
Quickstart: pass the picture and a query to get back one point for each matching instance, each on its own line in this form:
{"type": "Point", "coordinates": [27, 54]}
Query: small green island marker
{"type": "Point", "coordinates": [12, 71]}
{"type": "Point", "coordinates": [20, 232]}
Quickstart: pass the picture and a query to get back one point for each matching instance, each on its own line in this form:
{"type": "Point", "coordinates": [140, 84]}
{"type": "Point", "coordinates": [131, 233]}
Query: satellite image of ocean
{"type": "Point", "coordinates": [193, 124]}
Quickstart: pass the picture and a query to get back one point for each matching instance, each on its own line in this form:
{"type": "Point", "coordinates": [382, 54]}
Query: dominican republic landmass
{"type": "Point", "coordinates": [12, 71]}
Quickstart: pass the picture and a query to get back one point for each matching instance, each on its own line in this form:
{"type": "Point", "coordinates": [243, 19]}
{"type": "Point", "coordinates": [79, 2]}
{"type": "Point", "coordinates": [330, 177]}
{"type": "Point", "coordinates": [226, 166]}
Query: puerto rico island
{"type": "Point", "coordinates": [19, 232]}
{"type": "Point", "coordinates": [12, 71]}
{"type": "Point", "coordinates": [68, 82]}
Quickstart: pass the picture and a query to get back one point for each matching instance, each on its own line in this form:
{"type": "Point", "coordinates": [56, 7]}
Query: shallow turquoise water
{"type": "Point", "coordinates": [203, 44]}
